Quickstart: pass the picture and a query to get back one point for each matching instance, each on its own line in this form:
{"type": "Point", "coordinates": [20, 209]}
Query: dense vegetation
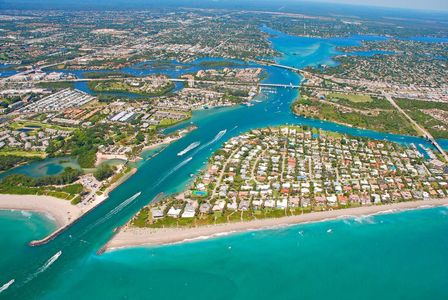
{"type": "Point", "coordinates": [118, 86]}
{"type": "Point", "coordinates": [9, 161]}
{"type": "Point", "coordinates": [69, 175]}
{"type": "Point", "coordinates": [56, 85]}
{"type": "Point", "coordinates": [416, 110]}
{"type": "Point", "coordinates": [375, 103]}
{"type": "Point", "coordinates": [385, 121]}
{"type": "Point", "coordinates": [106, 74]}
{"type": "Point", "coordinates": [23, 184]}
{"type": "Point", "coordinates": [83, 144]}
{"type": "Point", "coordinates": [103, 171]}
{"type": "Point", "coordinates": [218, 64]}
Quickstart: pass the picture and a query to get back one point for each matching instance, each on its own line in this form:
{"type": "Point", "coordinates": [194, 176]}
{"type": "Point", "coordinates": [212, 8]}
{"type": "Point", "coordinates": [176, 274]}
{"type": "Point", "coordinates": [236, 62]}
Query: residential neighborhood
{"type": "Point", "coordinates": [289, 170]}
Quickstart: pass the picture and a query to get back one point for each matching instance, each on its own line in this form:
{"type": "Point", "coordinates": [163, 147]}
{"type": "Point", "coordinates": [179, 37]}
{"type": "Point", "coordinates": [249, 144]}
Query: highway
{"type": "Point", "coordinates": [421, 130]}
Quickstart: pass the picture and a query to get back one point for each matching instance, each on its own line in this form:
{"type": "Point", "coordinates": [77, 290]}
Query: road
{"type": "Point", "coordinates": [421, 129]}
{"type": "Point", "coordinates": [222, 172]}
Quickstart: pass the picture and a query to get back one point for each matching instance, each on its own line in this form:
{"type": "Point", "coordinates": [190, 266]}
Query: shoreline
{"type": "Point", "coordinates": [128, 237]}
{"type": "Point", "coordinates": [59, 211]}
{"type": "Point", "coordinates": [62, 212]}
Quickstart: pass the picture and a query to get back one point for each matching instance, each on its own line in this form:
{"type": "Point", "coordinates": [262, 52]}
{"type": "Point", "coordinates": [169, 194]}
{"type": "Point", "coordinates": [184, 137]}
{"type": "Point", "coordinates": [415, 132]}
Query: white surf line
{"type": "Point", "coordinates": [6, 285]}
{"type": "Point", "coordinates": [189, 148]}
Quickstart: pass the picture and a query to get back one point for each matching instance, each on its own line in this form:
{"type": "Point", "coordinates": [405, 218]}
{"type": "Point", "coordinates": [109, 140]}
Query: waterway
{"type": "Point", "coordinates": [383, 256]}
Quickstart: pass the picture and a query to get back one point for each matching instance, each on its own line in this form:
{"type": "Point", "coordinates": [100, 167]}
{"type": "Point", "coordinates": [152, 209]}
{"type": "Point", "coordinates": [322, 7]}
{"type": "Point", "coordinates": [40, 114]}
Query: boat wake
{"type": "Point", "coordinates": [123, 204]}
{"type": "Point", "coordinates": [180, 165]}
{"type": "Point", "coordinates": [215, 139]}
{"type": "Point", "coordinates": [47, 264]}
{"type": "Point", "coordinates": [177, 167]}
{"type": "Point", "coordinates": [116, 209]}
{"type": "Point", "coordinates": [189, 148]}
{"type": "Point", "coordinates": [6, 285]}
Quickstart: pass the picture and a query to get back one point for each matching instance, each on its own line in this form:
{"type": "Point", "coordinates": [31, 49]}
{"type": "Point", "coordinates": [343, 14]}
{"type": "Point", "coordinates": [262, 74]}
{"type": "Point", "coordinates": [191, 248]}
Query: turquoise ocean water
{"type": "Point", "coordinates": [400, 256]}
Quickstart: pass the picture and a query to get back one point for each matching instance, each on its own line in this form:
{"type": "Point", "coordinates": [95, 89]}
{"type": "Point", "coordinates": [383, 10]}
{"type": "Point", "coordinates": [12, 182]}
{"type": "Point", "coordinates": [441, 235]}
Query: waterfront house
{"type": "Point", "coordinates": [189, 211]}
{"type": "Point", "coordinates": [204, 208]}
{"type": "Point", "coordinates": [174, 212]}
{"type": "Point", "coordinates": [156, 213]}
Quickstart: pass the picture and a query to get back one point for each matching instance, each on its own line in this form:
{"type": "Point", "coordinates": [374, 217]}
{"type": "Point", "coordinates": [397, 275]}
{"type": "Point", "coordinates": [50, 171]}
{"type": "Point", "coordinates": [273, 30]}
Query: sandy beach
{"type": "Point", "coordinates": [166, 141]}
{"type": "Point", "coordinates": [101, 157]}
{"type": "Point", "coordinates": [131, 236]}
{"type": "Point", "coordinates": [61, 211]}
{"type": "Point", "coordinates": [170, 139]}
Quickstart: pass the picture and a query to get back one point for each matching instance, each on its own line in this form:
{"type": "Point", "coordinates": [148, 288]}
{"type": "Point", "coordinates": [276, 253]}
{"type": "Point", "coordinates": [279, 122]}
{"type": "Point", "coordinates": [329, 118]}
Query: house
{"type": "Point", "coordinates": [332, 199]}
{"type": "Point", "coordinates": [305, 202]}
{"type": "Point", "coordinates": [376, 198]}
{"type": "Point", "coordinates": [174, 212]}
{"type": "Point", "coordinates": [156, 213]}
{"type": "Point", "coordinates": [257, 203]}
{"type": "Point", "coordinates": [342, 199]}
{"type": "Point", "coordinates": [294, 202]}
{"type": "Point", "coordinates": [189, 211]}
{"type": "Point", "coordinates": [219, 205]}
{"type": "Point", "coordinates": [232, 206]}
{"type": "Point", "coordinates": [282, 204]}
{"type": "Point", "coordinates": [244, 205]}
{"type": "Point", "coordinates": [204, 208]}
{"type": "Point", "coordinates": [269, 203]}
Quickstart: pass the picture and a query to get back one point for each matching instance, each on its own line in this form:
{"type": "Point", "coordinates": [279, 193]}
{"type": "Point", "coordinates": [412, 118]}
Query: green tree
{"type": "Point", "coordinates": [103, 171]}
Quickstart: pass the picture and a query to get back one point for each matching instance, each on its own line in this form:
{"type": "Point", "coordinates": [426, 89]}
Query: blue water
{"type": "Point", "coordinates": [17, 228]}
{"type": "Point", "coordinates": [427, 39]}
{"type": "Point", "coordinates": [313, 51]}
{"type": "Point", "coordinates": [398, 256]}
{"type": "Point", "coordinates": [46, 167]}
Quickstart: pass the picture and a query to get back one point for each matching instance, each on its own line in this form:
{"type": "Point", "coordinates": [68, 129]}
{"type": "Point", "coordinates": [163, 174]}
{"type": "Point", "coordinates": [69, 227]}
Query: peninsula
{"type": "Point", "coordinates": [286, 175]}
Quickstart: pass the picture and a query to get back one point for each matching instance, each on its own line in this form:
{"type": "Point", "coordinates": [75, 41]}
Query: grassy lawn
{"type": "Point", "coordinates": [56, 85]}
{"type": "Point", "coordinates": [333, 134]}
{"type": "Point", "coordinates": [68, 192]}
{"type": "Point", "coordinates": [356, 98]}
{"type": "Point", "coordinates": [21, 124]}
{"type": "Point", "coordinates": [23, 153]}
{"type": "Point", "coordinates": [169, 122]}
